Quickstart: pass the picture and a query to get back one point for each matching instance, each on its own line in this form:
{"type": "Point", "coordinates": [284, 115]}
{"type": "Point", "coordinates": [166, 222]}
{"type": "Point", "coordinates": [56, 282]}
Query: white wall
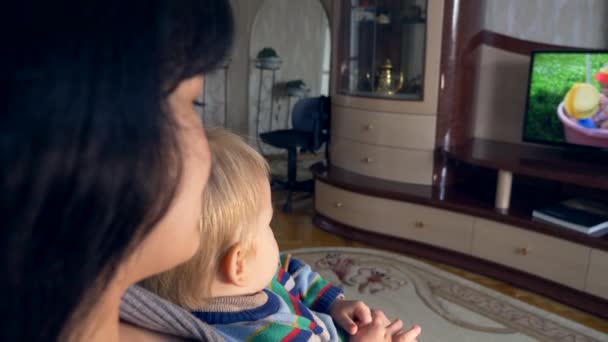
{"type": "Point", "coordinates": [580, 23]}
{"type": "Point", "coordinates": [500, 102]}
{"type": "Point", "coordinates": [237, 104]}
{"type": "Point", "coordinates": [296, 29]}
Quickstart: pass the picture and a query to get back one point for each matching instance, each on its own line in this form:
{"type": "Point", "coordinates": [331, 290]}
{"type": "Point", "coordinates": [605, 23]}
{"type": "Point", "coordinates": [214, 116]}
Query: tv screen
{"type": "Point", "coordinates": [567, 100]}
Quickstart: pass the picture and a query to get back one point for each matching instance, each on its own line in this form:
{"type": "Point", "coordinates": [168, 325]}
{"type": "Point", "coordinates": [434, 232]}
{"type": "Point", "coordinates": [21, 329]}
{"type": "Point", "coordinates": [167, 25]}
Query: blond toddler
{"type": "Point", "coordinates": [240, 284]}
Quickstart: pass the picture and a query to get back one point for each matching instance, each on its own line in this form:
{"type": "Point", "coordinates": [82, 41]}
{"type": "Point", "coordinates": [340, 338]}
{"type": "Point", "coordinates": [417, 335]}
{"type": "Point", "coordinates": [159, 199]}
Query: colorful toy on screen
{"type": "Point", "coordinates": [588, 106]}
{"type": "Point", "coordinates": [601, 118]}
{"type": "Point", "coordinates": [582, 102]}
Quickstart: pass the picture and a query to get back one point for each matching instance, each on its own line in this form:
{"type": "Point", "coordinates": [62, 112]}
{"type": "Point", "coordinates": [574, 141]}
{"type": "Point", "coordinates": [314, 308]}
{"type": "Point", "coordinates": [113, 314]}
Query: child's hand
{"type": "Point", "coordinates": [350, 314]}
{"type": "Point", "coordinates": [382, 330]}
{"type": "Point", "coordinates": [407, 336]}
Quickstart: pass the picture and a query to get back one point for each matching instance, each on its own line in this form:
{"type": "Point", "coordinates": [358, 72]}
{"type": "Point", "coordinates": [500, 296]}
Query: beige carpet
{"type": "Point", "coordinates": [447, 307]}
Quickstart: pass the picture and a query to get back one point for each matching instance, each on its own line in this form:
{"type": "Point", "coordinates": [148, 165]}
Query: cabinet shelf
{"type": "Point", "coordinates": [472, 198]}
{"type": "Point", "coordinates": [388, 39]}
{"type": "Point", "coordinates": [581, 167]}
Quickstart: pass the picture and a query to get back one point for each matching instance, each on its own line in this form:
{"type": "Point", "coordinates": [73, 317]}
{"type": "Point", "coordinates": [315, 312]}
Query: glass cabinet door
{"type": "Point", "coordinates": [381, 48]}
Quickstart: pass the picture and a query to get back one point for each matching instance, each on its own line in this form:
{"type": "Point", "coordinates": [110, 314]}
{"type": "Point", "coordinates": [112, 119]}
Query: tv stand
{"type": "Point", "coordinates": [459, 225]}
{"type": "Point", "coordinates": [546, 163]}
{"type": "Point", "coordinates": [532, 161]}
{"type": "Point", "coordinates": [585, 156]}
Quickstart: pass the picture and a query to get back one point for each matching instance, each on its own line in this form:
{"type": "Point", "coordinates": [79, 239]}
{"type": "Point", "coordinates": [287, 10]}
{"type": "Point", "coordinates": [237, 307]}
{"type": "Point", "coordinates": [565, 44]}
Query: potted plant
{"type": "Point", "coordinates": [296, 88]}
{"type": "Point", "coordinates": [268, 58]}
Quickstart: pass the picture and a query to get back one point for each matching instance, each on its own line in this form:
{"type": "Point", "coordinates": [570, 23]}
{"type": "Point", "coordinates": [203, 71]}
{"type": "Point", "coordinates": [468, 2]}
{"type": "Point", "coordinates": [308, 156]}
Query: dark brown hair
{"type": "Point", "coordinates": [87, 148]}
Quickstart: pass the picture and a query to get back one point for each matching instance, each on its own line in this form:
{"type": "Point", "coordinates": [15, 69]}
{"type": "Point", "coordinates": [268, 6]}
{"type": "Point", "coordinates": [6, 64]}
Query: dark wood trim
{"type": "Point", "coordinates": [581, 167]}
{"type": "Point", "coordinates": [575, 298]}
{"type": "Point", "coordinates": [515, 45]}
{"type": "Point", "coordinates": [470, 198]}
{"type": "Point", "coordinates": [458, 70]}
{"type": "Point", "coordinates": [460, 56]}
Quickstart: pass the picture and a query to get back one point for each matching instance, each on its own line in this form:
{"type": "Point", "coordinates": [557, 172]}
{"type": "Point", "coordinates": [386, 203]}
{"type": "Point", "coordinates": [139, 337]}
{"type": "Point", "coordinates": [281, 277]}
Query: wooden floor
{"type": "Point", "coordinates": [296, 230]}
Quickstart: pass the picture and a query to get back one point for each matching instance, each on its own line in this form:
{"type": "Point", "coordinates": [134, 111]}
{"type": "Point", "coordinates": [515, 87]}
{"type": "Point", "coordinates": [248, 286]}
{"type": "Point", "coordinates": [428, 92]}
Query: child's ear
{"type": "Point", "coordinates": [233, 265]}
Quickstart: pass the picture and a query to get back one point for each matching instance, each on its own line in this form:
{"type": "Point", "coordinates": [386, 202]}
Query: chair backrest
{"type": "Point", "coordinates": [311, 115]}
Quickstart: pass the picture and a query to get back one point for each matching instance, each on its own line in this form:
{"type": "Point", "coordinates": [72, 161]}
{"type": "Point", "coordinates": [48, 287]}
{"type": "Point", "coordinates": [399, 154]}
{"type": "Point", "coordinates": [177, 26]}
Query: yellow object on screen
{"type": "Point", "coordinates": [582, 101]}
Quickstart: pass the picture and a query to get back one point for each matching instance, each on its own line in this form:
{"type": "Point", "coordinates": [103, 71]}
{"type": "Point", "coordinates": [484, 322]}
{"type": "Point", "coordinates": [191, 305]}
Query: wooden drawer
{"type": "Point", "coordinates": [402, 165]}
{"type": "Point", "coordinates": [392, 130]}
{"type": "Point", "coordinates": [405, 220]}
{"type": "Point", "coordinates": [597, 278]}
{"type": "Point", "coordinates": [548, 257]}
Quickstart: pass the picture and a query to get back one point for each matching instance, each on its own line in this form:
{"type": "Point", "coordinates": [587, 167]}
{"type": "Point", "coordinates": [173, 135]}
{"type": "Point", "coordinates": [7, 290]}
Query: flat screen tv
{"type": "Point", "coordinates": [567, 101]}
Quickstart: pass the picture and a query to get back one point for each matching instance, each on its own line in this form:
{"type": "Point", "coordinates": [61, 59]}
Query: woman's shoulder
{"type": "Point", "coordinates": [147, 316]}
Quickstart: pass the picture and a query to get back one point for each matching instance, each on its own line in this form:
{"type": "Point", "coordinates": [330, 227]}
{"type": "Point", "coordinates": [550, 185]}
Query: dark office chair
{"type": "Point", "coordinates": [310, 122]}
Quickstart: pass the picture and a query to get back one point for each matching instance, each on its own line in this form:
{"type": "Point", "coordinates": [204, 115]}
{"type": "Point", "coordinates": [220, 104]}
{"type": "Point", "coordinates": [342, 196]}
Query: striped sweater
{"type": "Point", "coordinates": [294, 307]}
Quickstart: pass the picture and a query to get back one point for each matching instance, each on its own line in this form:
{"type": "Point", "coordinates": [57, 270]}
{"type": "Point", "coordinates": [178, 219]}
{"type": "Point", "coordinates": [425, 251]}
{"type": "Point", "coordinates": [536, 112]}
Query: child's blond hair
{"type": "Point", "coordinates": [230, 203]}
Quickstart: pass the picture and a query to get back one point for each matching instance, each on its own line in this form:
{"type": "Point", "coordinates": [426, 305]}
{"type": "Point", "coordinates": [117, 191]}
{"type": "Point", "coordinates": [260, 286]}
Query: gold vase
{"type": "Point", "coordinates": [387, 84]}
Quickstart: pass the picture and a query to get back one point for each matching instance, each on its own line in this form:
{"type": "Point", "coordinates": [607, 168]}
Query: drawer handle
{"type": "Point", "coordinates": [522, 251]}
{"type": "Point", "coordinates": [338, 205]}
{"type": "Point", "coordinates": [368, 127]}
{"type": "Point", "coordinates": [367, 160]}
{"type": "Point", "coordinates": [419, 224]}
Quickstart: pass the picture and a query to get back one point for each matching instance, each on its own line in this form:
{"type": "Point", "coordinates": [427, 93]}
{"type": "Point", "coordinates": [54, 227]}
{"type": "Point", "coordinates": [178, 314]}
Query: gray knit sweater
{"type": "Point", "coordinates": [143, 308]}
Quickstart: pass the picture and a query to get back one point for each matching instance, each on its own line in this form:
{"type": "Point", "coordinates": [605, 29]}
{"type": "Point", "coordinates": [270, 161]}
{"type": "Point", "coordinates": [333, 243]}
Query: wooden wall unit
{"type": "Point", "coordinates": [428, 105]}
{"type": "Point", "coordinates": [448, 230]}
{"type": "Point", "coordinates": [552, 258]}
{"type": "Point", "coordinates": [420, 176]}
{"type": "Point", "coordinates": [597, 276]}
{"type": "Point", "coordinates": [384, 129]}
{"type": "Point", "coordinates": [397, 164]}
{"type": "Point", "coordinates": [379, 128]}
{"type": "Point", "coordinates": [452, 226]}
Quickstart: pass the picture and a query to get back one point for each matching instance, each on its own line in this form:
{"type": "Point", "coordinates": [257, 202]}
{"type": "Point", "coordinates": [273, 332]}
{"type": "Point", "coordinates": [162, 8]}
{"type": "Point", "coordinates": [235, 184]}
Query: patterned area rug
{"type": "Point", "coordinates": [447, 307]}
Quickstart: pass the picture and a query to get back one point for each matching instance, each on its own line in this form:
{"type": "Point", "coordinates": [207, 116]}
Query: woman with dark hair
{"type": "Point", "coordinates": [102, 157]}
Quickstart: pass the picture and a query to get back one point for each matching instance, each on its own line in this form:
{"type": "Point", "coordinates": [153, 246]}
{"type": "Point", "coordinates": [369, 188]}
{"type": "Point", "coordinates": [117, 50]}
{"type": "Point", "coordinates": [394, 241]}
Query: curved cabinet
{"type": "Point", "coordinates": [396, 164]}
{"type": "Point", "coordinates": [411, 131]}
{"type": "Point", "coordinates": [597, 278]}
{"type": "Point", "coordinates": [569, 264]}
{"type": "Point", "coordinates": [407, 35]}
{"type": "Point", "coordinates": [555, 259]}
{"type": "Point", "coordinates": [399, 219]}
{"type": "Point", "coordinates": [386, 81]}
